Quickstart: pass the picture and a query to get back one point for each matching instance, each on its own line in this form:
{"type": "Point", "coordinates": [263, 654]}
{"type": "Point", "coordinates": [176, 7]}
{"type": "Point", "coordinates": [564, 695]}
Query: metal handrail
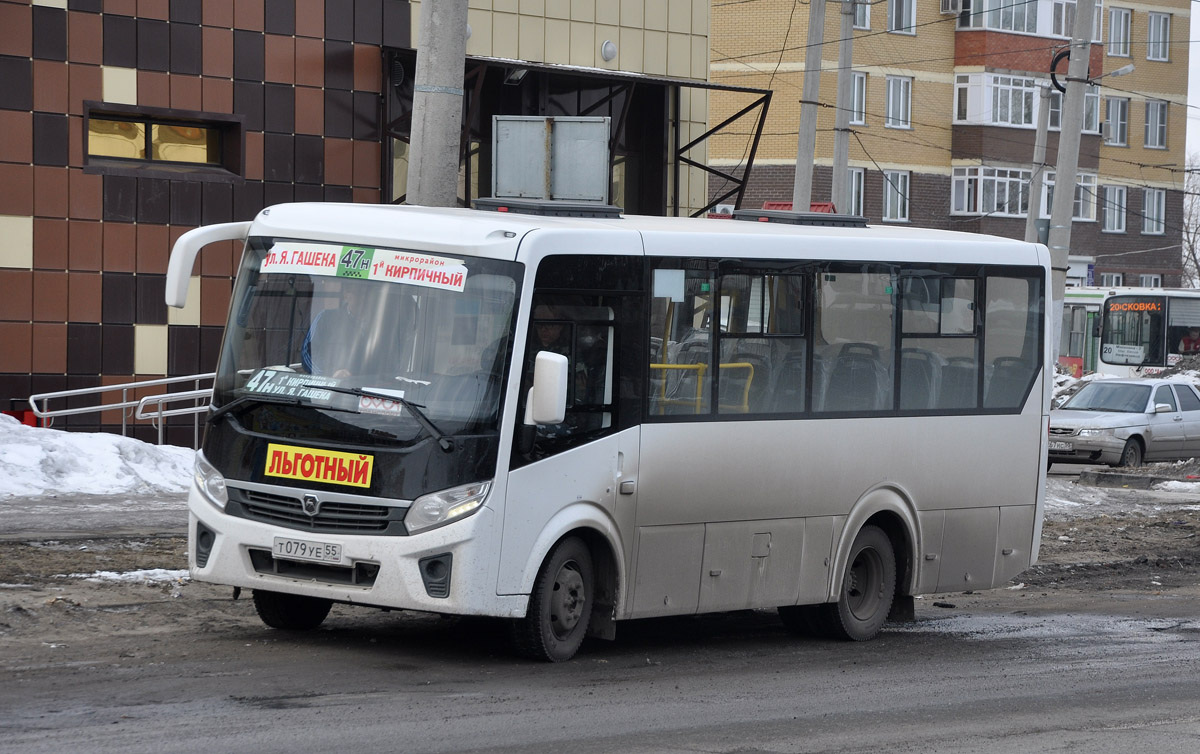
{"type": "Point", "coordinates": [40, 402]}
{"type": "Point", "coordinates": [157, 417]}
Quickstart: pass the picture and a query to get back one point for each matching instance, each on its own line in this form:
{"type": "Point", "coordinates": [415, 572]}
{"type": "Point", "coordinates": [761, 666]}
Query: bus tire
{"type": "Point", "coordinates": [290, 612]}
{"type": "Point", "coordinates": [868, 587]}
{"type": "Point", "coordinates": [560, 606]}
{"type": "Point", "coordinates": [1131, 454]}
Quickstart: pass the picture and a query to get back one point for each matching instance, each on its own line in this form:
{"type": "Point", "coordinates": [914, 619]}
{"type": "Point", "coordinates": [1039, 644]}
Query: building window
{"type": "Point", "coordinates": [899, 102]}
{"type": "Point", "coordinates": [1150, 281]}
{"type": "Point", "coordinates": [895, 195]}
{"type": "Point", "coordinates": [902, 16]}
{"type": "Point", "coordinates": [862, 16]}
{"type": "Point", "coordinates": [1118, 31]}
{"type": "Point", "coordinates": [1154, 211]}
{"type": "Point", "coordinates": [1063, 12]}
{"type": "Point", "coordinates": [858, 180]}
{"type": "Point", "coordinates": [1156, 124]}
{"type": "Point", "coordinates": [1158, 45]}
{"type": "Point", "coordinates": [858, 102]}
{"type": "Point", "coordinates": [1112, 279]}
{"type": "Point", "coordinates": [120, 138]}
{"type": "Point", "coordinates": [1084, 206]}
{"type": "Point", "coordinates": [990, 191]}
{"type": "Point", "coordinates": [1003, 15]}
{"type": "Point", "coordinates": [1113, 210]}
{"type": "Point", "coordinates": [1091, 110]}
{"type": "Point", "coordinates": [1116, 119]}
{"type": "Point", "coordinates": [1012, 100]}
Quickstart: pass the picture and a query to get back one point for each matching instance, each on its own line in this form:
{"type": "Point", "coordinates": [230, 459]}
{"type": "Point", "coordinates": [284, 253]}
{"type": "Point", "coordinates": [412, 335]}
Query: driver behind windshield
{"type": "Point", "coordinates": [327, 344]}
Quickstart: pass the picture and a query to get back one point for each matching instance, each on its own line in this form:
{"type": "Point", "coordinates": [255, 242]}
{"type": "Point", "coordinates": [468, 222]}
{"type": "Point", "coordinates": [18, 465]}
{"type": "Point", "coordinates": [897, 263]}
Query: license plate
{"type": "Point", "coordinates": [302, 549]}
{"type": "Point", "coordinates": [1060, 445]}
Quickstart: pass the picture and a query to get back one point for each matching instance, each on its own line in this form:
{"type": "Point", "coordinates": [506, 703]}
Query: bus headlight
{"type": "Point", "coordinates": [438, 508]}
{"type": "Point", "coordinates": [210, 482]}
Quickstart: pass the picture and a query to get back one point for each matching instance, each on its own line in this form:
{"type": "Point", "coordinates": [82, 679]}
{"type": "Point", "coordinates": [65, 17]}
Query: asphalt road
{"type": "Point", "coordinates": [1016, 673]}
{"type": "Point", "coordinates": [67, 516]}
{"type": "Point", "coordinates": [1057, 666]}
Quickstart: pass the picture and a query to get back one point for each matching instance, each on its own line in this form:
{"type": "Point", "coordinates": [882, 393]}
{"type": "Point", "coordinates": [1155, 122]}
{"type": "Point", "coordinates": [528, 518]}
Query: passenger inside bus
{"type": "Point", "coordinates": [1190, 343]}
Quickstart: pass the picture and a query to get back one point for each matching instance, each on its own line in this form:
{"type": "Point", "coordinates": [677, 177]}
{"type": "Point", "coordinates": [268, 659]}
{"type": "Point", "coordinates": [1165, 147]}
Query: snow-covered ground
{"type": "Point", "coordinates": [36, 462]}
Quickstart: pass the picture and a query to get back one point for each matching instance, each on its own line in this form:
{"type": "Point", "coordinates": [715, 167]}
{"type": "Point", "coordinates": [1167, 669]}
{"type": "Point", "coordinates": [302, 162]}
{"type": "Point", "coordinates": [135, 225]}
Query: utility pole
{"type": "Point", "coordinates": [1067, 168]}
{"type": "Point", "coordinates": [438, 104]}
{"type": "Point", "coordinates": [839, 193]}
{"type": "Point", "coordinates": [1039, 164]}
{"type": "Point", "coordinates": [806, 143]}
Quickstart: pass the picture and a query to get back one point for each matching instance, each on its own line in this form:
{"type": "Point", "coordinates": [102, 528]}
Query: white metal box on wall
{"type": "Point", "coordinates": [550, 158]}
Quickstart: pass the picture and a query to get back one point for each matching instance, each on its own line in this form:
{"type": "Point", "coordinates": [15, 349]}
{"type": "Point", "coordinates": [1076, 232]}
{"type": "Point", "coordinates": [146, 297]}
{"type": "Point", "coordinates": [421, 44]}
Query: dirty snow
{"type": "Point", "coordinates": [148, 576]}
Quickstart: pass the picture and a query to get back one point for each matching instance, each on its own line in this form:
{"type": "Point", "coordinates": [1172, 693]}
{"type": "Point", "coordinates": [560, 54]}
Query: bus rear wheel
{"type": "Point", "coordinates": [868, 587]}
{"type": "Point", "coordinates": [560, 607]}
{"type": "Point", "coordinates": [290, 612]}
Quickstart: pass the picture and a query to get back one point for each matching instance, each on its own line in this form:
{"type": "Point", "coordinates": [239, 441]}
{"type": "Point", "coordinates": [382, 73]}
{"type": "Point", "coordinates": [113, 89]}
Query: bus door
{"type": "Point", "coordinates": [587, 308]}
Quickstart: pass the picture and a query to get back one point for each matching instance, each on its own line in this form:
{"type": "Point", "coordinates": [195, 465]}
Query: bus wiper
{"type": "Point", "coordinates": [244, 400]}
{"type": "Point", "coordinates": [414, 408]}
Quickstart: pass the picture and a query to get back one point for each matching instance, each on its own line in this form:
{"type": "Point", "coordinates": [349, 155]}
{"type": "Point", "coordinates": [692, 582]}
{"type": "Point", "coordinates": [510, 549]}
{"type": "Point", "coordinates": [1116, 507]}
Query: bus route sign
{"type": "Point", "coordinates": [365, 263]}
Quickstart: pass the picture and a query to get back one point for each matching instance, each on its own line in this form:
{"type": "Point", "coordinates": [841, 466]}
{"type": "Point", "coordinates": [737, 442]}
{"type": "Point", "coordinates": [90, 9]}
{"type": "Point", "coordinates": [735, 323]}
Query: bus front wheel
{"type": "Point", "coordinates": [560, 606]}
{"type": "Point", "coordinates": [868, 586]}
{"type": "Point", "coordinates": [290, 612]}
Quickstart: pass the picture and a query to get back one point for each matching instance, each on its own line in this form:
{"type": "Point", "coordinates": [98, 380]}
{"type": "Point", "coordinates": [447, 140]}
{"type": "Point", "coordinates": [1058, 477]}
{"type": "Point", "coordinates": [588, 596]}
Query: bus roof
{"type": "Point", "coordinates": [498, 234]}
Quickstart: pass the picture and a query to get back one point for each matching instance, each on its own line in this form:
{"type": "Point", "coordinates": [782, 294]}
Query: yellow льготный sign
{"type": "Point", "coordinates": [312, 465]}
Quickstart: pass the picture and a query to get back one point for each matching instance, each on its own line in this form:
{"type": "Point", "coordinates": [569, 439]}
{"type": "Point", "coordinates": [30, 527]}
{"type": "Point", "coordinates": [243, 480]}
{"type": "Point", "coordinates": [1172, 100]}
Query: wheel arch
{"type": "Point", "coordinates": [597, 530]}
{"type": "Point", "coordinates": [891, 509]}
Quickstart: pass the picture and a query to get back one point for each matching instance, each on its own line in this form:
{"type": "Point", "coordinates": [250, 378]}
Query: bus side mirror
{"type": "Point", "coordinates": [183, 256]}
{"type": "Point", "coordinates": [547, 403]}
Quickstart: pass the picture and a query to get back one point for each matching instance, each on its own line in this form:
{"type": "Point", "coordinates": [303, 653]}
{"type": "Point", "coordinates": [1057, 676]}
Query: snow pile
{"type": "Point", "coordinates": [39, 461]}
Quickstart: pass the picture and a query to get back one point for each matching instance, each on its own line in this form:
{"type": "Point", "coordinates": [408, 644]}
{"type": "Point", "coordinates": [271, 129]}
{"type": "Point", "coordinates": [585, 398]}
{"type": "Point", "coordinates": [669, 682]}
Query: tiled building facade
{"type": "Point", "coordinates": [301, 96]}
{"type": "Point", "coordinates": [944, 114]}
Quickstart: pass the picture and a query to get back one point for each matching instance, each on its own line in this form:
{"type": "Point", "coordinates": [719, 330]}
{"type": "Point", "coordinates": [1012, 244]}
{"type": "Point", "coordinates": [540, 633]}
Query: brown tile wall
{"type": "Point", "coordinates": [306, 76]}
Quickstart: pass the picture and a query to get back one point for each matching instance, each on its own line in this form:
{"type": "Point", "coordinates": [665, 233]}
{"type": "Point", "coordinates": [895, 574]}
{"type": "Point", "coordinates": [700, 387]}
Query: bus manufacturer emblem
{"type": "Point", "coordinates": [311, 505]}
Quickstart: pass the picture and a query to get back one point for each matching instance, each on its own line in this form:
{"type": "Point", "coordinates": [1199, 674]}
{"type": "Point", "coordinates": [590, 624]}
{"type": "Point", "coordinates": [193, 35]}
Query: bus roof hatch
{"type": "Point", "coordinates": [548, 207]}
{"type": "Point", "coordinates": [800, 218]}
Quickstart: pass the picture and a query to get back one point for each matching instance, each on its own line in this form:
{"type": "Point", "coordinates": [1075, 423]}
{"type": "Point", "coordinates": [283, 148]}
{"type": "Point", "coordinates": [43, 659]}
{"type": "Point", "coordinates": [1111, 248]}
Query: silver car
{"type": "Point", "coordinates": [1126, 423]}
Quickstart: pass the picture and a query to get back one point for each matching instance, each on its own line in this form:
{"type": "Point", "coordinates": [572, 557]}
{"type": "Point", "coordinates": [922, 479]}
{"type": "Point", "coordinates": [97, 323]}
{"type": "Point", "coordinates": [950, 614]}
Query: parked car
{"type": "Point", "coordinates": [1126, 423]}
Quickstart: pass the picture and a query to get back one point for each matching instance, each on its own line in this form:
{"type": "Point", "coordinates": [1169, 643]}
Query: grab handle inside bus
{"type": "Point", "coordinates": [547, 403]}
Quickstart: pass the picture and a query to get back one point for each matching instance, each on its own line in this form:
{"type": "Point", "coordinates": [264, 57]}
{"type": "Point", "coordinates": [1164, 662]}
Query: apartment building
{"type": "Point", "coordinates": [943, 118]}
{"type": "Point", "coordinates": [128, 122]}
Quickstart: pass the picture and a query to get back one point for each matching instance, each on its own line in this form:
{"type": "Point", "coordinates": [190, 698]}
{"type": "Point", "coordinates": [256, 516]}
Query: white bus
{"type": "Point", "coordinates": [573, 421]}
{"type": "Point", "coordinates": [1146, 330]}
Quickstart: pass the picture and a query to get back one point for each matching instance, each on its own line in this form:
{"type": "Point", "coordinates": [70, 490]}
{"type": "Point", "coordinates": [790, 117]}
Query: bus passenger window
{"type": "Point", "coordinates": [854, 332]}
{"type": "Point", "coordinates": [683, 307]}
{"type": "Point", "coordinates": [1011, 340]}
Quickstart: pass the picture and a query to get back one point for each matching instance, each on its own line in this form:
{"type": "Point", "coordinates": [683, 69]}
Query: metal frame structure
{"type": "Point", "coordinates": [624, 83]}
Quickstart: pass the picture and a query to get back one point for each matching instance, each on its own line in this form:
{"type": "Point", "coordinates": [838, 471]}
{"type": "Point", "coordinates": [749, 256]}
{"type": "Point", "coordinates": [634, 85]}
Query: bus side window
{"type": "Point", "coordinates": [1011, 340]}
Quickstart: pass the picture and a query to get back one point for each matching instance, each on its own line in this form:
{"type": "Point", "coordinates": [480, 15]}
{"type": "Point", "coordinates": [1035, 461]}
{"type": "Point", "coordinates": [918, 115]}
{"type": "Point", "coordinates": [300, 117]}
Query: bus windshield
{"type": "Point", "coordinates": [389, 345]}
{"type": "Point", "coordinates": [1133, 331]}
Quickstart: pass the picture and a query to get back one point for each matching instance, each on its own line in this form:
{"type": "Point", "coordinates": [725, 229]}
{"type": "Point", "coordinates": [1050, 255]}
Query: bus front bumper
{"type": "Point", "coordinates": [395, 572]}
